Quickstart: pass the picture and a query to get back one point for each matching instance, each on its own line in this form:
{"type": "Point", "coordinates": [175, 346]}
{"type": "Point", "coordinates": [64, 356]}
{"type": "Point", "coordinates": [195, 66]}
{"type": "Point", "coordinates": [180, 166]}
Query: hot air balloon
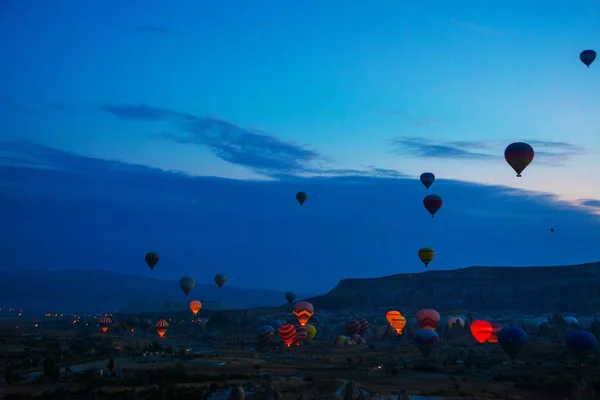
{"type": "Point", "coordinates": [364, 326]}
{"type": "Point", "coordinates": [427, 179]}
{"type": "Point", "coordinates": [301, 334]}
{"type": "Point", "coordinates": [151, 260]}
{"type": "Point", "coordinates": [356, 338]}
{"type": "Point", "coordinates": [133, 322]}
{"type": "Point", "coordinates": [301, 197]}
{"type": "Point", "coordinates": [581, 343]}
{"type": "Point", "coordinates": [481, 330]}
{"type": "Point", "coordinates": [518, 155]}
{"type": "Point", "coordinates": [287, 333]}
{"type": "Point", "coordinates": [396, 320]}
{"type": "Point", "coordinates": [428, 319]}
{"type": "Point", "coordinates": [311, 332]}
{"type": "Point", "coordinates": [303, 310]}
{"type": "Point", "coordinates": [290, 297]}
{"type": "Point", "coordinates": [104, 324]}
{"type": "Point", "coordinates": [220, 280]}
{"type": "Point", "coordinates": [161, 328]}
{"type": "Point", "coordinates": [195, 306]}
{"type": "Point", "coordinates": [587, 57]}
{"type": "Point", "coordinates": [343, 341]}
{"type": "Point", "coordinates": [493, 338]}
{"type": "Point", "coordinates": [426, 340]}
{"type": "Point", "coordinates": [551, 229]}
{"type": "Point", "coordinates": [265, 333]}
{"type": "Point", "coordinates": [352, 327]}
{"type": "Point", "coordinates": [512, 339]}
{"type": "Point", "coordinates": [426, 255]}
{"type": "Point", "coordinates": [432, 203]}
{"type": "Point", "coordinates": [186, 284]}
{"type": "Point", "coordinates": [456, 320]}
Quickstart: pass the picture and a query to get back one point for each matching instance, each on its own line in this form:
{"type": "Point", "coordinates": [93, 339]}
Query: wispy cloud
{"type": "Point", "coordinates": [425, 121]}
{"type": "Point", "coordinates": [590, 203]}
{"type": "Point", "coordinates": [546, 152]}
{"type": "Point", "coordinates": [418, 147]}
{"type": "Point", "coordinates": [263, 153]}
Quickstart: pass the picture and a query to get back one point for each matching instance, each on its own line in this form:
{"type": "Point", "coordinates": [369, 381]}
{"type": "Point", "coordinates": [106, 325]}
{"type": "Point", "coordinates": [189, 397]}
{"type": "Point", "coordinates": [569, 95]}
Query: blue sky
{"type": "Point", "coordinates": [272, 89]}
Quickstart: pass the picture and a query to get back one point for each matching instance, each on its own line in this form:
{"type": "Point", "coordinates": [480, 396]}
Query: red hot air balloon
{"type": "Point", "coordinates": [481, 330]}
{"type": "Point", "coordinates": [287, 334]}
{"type": "Point", "coordinates": [303, 310]}
{"type": "Point", "coordinates": [518, 155]}
{"type": "Point", "coordinates": [428, 319]}
{"type": "Point", "coordinates": [432, 203]}
{"type": "Point", "coordinates": [493, 338]}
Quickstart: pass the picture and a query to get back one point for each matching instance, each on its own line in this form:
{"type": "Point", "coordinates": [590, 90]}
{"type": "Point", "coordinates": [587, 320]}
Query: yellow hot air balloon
{"type": "Point", "coordinates": [311, 332]}
{"type": "Point", "coordinates": [396, 320]}
{"type": "Point", "coordinates": [426, 255]}
{"type": "Point", "coordinates": [195, 306]}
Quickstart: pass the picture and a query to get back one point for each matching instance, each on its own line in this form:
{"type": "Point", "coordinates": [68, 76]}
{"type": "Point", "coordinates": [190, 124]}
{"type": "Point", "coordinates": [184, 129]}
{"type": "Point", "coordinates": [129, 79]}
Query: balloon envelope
{"type": "Point", "coordinates": [481, 330]}
{"type": "Point", "coordinates": [518, 155]}
{"type": "Point", "coordinates": [432, 203]}
{"type": "Point", "coordinates": [301, 197]}
{"type": "Point", "coordinates": [587, 57]}
{"type": "Point", "coordinates": [427, 179]}
{"type": "Point", "coordinates": [581, 343]}
{"type": "Point", "coordinates": [426, 340]}
{"type": "Point", "coordinates": [426, 255]}
{"type": "Point", "coordinates": [512, 339]}
{"type": "Point", "coordinates": [396, 320]}
{"type": "Point", "coordinates": [303, 310]}
{"type": "Point", "coordinates": [428, 319]}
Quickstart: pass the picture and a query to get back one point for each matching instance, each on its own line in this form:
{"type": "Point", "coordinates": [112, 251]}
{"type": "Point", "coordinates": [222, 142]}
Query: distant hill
{"type": "Point", "coordinates": [573, 288]}
{"type": "Point", "coordinates": [104, 291]}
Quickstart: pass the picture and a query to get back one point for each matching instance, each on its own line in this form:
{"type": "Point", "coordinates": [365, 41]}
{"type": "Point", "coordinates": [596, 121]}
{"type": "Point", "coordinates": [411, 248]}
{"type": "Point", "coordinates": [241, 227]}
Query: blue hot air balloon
{"type": "Point", "coordinates": [512, 339]}
{"type": "Point", "coordinates": [581, 343]}
{"type": "Point", "coordinates": [587, 57]}
{"type": "Point", "coordinates": [427, 179]}
{"type": "Point", "coordinates": [265, 333]}
{"type": "Point", "coordinates": [426, 340]}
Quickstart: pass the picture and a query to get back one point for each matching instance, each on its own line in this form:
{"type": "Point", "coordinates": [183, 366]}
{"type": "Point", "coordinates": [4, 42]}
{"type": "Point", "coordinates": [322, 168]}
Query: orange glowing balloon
{"type": "Point", "coordinates": [396, 320]}
{"type": "Point", "coordinates": [303, 310]}
{"type": "Point", "coordinates": [104, 323]}
{"type": "Point", "coordinates": [161, 328]}
{"type": "Point", "coordinates": [481, 330]}
{"type": "Point", "coordinates": [195, 306]}
{"type": "Point", "coordinates": [493, 338]}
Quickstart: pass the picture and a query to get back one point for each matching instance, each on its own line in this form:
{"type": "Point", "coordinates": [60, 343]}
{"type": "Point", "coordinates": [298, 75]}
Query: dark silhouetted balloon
{"type": "Point", "coordinates": [551, 229]}
{"type": "Point", "coordinates": [290, 297]}
{"type": "Point", "coordinates": [352, 327]}
{"type": "Point", "coordinates": [426, 255]}
{"type": "Point", "coordinates": [151, 260]}
{"type": "Point", "coordinates": [581, 343]}
{"type": "Point", "coordinates": [426, 340]}
{"type": "Point", "coordinates": [432, 203]}
{"type": "Point", "coordinates": [301, 197]}
{"type": "Point", "coordinates": [427, 179]}
{"type": "Point", "coordinates": [513, 340]}
{"type": "Point", "coordinates": [428, 319]}
{"type": "Point", "coordinates": [518, 155]}
{"type": "Point", "coordinates": [587, 57]}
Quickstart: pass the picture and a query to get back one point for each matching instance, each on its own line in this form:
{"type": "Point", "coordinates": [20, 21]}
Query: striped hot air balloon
{"type": "Point", "coordinates": [104, 324]}
{"type": "Point", "coordinates": [161, 328]}
{"type": "Point", "coordinates": [265, 333]}
{"type": "Point", "coordinates": [428, 319]}
{"type": "Point", "coordinates": [303, 310]}
{"type": "Point", "coordinates": [287, 334]}
{"type": "Point", "coordinates": [301, 334]}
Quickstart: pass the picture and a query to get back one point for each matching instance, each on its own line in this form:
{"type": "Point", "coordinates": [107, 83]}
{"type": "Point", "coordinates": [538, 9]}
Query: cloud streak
{"type": "Point", "coordinates": [546, 152]}
{"type": "Point", "coordinates": [262, 153]}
